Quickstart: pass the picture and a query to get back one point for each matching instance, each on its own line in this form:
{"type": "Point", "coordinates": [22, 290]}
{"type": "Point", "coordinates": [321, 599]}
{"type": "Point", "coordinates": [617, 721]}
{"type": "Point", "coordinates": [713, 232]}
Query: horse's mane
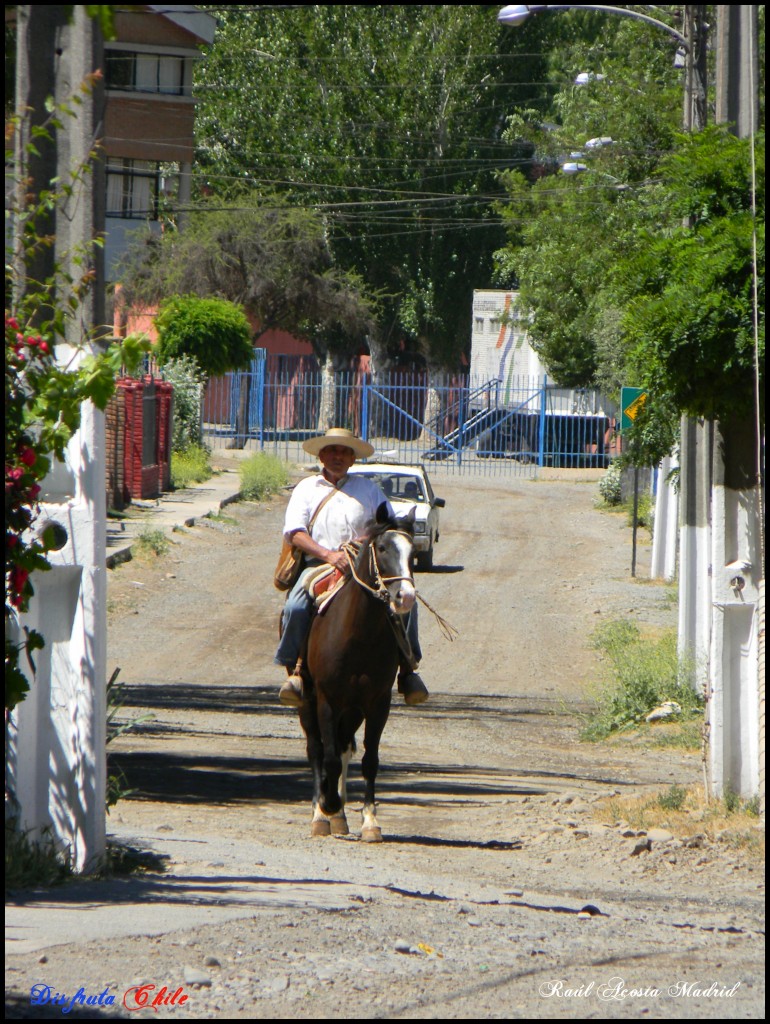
{"type": "Point", "coordinates": [395, 523]}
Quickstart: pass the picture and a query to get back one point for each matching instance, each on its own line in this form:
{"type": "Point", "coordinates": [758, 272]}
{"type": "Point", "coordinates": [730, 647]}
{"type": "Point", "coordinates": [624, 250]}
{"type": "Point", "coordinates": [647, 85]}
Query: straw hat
{"type": "Point", "coordinates": [340, 436]}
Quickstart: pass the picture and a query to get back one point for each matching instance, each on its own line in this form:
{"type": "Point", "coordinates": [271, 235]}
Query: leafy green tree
{"type": "Point", "coordinates": [566, 234]}
{"type": "Point", "coordinates": [689, 317]}
{"type": "Point", "coordinates": [388, 120]}
{"type": "Point", "coordinates": [214, 332]}
{"type": "Point", "coordinates": [268, 257]}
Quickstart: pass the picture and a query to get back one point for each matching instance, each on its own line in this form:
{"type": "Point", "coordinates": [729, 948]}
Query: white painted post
{"type": "Point", "coordinates": [56, 755]}
{"type": "Point", "coordinates": [666, 527]}
{"type": "Point", "coordinates": [733, 661]}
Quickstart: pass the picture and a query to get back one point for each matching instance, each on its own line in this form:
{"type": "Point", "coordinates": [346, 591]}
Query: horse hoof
{"type": "Point", "coordinates": [339, 825]}
{"type": "Point", "coordinates": [371, 835]}
{"type": "Point", "coordinates": [320, 827]}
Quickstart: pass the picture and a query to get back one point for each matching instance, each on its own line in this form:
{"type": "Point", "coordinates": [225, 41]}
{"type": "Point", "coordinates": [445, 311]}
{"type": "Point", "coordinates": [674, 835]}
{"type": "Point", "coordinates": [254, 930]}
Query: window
{"type": "Point", "coordinates": [146, 72]}
{"type": "Point", "coordinates": [132, 189]}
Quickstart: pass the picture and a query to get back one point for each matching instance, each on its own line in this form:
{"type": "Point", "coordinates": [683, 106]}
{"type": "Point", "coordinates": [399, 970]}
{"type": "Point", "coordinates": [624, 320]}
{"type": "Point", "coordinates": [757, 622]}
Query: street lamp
{"type": "Point", "coordinates": [515, 14]}
{"type": "Point", "coordinates": [692, 44]}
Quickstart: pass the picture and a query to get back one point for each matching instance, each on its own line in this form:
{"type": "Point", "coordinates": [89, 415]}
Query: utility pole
{"type": "Point", "coordinates": [695, 445]}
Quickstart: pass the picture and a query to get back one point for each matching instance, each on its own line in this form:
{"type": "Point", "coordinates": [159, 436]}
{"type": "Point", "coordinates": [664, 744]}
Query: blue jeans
{"type": "Point", "coordinates": [297, 616]}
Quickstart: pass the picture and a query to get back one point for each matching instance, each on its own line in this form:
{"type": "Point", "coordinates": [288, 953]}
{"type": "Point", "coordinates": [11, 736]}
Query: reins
{"type": "Point", "coordinates": [380, 591]}
{"type": "Point", "coordinates": [352, 551]}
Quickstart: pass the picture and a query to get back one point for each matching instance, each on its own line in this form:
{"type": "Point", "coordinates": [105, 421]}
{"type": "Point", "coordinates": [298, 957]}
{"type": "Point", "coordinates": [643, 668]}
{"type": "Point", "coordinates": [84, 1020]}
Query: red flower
{"type": "Point", "coordinates": [19, 578]}
{"type": "Point", "coordinates": [29, 457]}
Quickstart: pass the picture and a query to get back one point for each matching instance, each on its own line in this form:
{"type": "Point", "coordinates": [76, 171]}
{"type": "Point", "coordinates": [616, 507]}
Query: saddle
{"type": "Point", "coordinates": [323, 583]}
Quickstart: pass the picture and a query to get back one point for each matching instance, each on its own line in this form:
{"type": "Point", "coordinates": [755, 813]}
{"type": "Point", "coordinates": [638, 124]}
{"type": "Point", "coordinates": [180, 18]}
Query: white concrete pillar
{"type": "Point", "coordinates": [695, 550]}
{"type": "Point", "coordinates": [56, 754]}
{"type": "Point", "coordinates": [734, 657]}
{"type": "Point", "coordinates": [666, 529]}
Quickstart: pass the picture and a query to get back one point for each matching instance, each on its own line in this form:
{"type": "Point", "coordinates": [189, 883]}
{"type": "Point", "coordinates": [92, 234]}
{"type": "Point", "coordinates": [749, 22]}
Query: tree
{"type": "Point", "coordinates": [268, 257]}
{"type": "Point", "coordinates": [388, 120]}
{"type": "Point", "coordinates": [688, 319]}
{"type": "Point", "coordinates": [214, 332]}
{"type": "Point", "coordinates": [44, 397]}
{"type": "Point", "coordinates": [566, 234]}
{"type": "Point", "coordinates": [617, 288]}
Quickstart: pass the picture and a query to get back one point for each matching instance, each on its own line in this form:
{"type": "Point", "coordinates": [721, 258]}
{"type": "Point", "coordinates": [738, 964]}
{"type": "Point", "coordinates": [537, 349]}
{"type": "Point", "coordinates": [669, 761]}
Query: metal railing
{"type": "Point", "coordinates": [490, 426]}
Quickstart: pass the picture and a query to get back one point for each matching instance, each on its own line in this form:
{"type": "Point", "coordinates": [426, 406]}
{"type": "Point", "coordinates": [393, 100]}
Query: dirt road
{"type": "Point", "coordinates": [497, 892]}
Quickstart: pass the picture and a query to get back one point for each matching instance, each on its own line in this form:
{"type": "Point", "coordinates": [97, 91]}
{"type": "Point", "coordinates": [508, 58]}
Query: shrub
{"type": "Point", "coordinates": [34, 861]}
{"type": "Point", "coordinates": [191, 466]}
{"type": "Point", "coordinates": [188, 382]}
{"type": "Point", "coordinates": [214, 332]}
{"type": "Point", "coordinates": [645, 673]}
{"type": "Point", "coordinates": [609, 485]}
{"type": "Point", "coordinates": [152, 542]}
{"type": "Point", "coordinates": [262, 475]}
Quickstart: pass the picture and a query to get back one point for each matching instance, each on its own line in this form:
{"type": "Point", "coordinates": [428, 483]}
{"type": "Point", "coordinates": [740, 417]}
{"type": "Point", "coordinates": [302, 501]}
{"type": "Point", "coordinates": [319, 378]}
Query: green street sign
{"type": "Point", "coordinates": [631, 404]}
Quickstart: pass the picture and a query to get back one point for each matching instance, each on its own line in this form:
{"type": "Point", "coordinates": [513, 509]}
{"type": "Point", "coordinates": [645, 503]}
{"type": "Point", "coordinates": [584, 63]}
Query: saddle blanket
{"type": "Point", "coordinates": [322, 584]}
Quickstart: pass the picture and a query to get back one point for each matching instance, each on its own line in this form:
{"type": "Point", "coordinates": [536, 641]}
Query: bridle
{"type": "Point", "coordinates": [380, 590]}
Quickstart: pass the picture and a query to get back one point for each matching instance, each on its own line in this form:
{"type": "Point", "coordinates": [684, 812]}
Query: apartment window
{"type": "Point", "coordinates": [146, 72]}
{"type": "Point", "coordinates": [132, 189]}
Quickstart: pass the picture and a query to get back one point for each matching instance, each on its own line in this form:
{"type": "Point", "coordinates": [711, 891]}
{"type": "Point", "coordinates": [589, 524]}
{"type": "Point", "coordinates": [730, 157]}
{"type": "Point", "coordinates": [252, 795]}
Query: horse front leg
{"type": "Point", "coordinates": [370, 763]}
{"type": "Point", "coordinates": [329, 801]}
{"type": "Point", "coordinates": [338, 822]}
{"type": "Point", "coordinates": [308, 716]}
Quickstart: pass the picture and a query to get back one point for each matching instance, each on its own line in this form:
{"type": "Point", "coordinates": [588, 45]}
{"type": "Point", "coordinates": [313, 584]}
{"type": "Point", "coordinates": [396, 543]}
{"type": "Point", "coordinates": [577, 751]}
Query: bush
{"type": "Point", "coordinates": [191, 466]}
{"type": "Point", "coordinates": [214, 332]}
{"type": "Point", "coordinates": [262, 475]}
{"type": "Point", "coordinates": [151, 543]}
{"type": "Point", "coordinates": [609, 485]}
{"type": "Point", "coordinates": [646, 673]}
{"type": "Point", "coordinates": [645, 512]}
{"type": "Point", "coordinates": [188, 382]}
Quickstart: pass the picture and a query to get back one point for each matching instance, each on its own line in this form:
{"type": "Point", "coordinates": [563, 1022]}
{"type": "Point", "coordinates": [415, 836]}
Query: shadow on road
{"type": "Point", "coordinates": [230, 699]}
{"type": "Point", "coordinates": [194, 778]}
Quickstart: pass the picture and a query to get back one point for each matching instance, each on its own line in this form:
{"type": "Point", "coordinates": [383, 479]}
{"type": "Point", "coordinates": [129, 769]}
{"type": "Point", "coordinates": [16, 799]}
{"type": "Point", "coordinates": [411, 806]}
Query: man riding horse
{"type": "Point", "coordinates": [324, 513]}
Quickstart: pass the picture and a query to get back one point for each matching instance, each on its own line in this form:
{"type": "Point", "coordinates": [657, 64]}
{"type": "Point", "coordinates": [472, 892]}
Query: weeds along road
{"type": "Point", "coordinates": [502, 889]}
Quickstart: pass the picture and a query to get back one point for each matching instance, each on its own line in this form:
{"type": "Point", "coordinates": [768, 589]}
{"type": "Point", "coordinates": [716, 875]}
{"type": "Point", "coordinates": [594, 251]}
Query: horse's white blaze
{"type": "Point", "coordinates": [402, 592]}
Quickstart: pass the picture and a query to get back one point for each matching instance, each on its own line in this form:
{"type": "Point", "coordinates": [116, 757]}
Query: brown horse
{"type": "Point", "coordinates": [352, 660]}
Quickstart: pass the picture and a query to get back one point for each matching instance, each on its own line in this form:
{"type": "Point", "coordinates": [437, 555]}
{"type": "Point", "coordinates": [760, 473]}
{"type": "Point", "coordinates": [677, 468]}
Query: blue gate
{"type": "Point", "coordinates": [493, 426]}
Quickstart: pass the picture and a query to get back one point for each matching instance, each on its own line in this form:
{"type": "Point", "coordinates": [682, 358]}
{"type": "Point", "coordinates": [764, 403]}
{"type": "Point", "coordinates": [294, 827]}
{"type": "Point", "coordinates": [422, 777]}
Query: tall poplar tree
{"type": "Point", "coordinates": [388, 119]}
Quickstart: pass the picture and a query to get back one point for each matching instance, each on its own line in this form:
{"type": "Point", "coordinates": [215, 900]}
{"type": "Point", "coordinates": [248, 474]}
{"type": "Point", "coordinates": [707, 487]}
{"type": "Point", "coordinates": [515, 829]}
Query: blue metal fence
{"type": "Point", "coordinates": [489, 426]}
